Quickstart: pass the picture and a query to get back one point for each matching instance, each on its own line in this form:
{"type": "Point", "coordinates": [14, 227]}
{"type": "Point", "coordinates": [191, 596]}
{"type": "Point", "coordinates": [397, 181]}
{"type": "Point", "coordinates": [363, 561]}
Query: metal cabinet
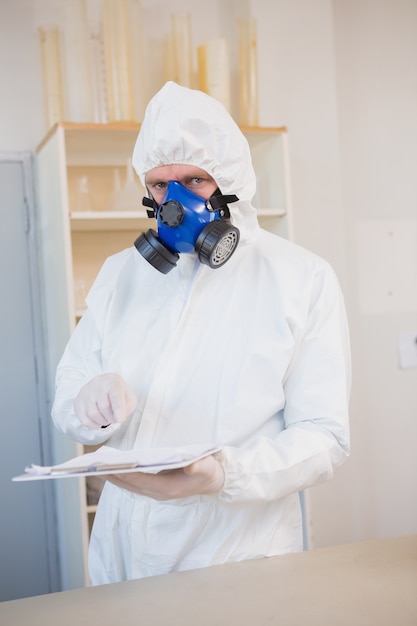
{"type": "Point", "coordinates": [28, 549]}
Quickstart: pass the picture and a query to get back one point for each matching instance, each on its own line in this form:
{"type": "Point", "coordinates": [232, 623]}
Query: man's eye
{"type": "Point", "coordinates": [160, 185]}
{"type": "Point", "coordinates": [196, 180]}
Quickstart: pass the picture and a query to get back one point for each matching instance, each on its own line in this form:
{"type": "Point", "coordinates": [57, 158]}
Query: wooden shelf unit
{"type": "Point", "coordinates": [74, 244]}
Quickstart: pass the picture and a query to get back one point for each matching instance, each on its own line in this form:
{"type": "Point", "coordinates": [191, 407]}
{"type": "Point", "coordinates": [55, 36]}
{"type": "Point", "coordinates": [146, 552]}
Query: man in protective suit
{"type": "Point", "coordinates": [208, 330]}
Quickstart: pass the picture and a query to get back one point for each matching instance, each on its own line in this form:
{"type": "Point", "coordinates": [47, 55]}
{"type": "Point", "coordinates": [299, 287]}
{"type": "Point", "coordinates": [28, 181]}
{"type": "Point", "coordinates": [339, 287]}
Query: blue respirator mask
{"type": "Point", "coordinates": [188, 223]}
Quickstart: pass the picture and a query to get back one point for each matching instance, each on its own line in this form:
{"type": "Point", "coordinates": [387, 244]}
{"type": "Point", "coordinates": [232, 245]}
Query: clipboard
{"type": "Point", "coordinates": [107, 460]}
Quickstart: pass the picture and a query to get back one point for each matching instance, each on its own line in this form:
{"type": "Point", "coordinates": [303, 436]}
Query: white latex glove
{"type": "Point", "coordinates": [104, 400]}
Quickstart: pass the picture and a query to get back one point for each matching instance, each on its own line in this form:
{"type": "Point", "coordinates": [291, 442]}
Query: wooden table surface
{"type": "Point", "coordinates": [360, 584]}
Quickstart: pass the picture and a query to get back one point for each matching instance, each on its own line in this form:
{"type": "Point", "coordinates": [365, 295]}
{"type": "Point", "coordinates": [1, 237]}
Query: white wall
{"type": "Point", "coordinates": [342, 75]}
{"type": "Point", "coordinates": [376, 62]}
{"type": "Point", "coordinates": [298, 89]}
{"type": "Point", "coordinates": [21, 105]}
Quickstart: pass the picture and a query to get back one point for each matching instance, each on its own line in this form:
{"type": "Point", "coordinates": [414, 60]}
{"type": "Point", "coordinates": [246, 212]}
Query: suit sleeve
{"type": "Point", "coordinates": [315, 438]}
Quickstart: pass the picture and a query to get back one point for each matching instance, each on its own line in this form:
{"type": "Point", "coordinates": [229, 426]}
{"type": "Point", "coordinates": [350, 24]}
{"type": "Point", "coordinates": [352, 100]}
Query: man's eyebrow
{"type": "Point", "coordinates": [153, 179]}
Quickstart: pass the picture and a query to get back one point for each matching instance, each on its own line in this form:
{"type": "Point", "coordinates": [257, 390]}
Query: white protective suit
{"type": "Point", "coordinates": [254, 355]}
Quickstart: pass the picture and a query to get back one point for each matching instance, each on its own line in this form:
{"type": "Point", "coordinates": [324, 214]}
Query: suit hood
{"type": "Point", "coordinates": [188, 127]}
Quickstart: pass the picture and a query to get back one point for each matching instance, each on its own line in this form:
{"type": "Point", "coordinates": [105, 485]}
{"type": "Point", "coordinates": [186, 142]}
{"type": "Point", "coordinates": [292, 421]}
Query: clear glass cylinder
{"type": "Point", "coordinates": [52, 74]}
{"type": "Point", "coordinates": [138, 62]}
{"type": "Point", "coordinates": [169, 62]}
{"type": "Point", "coordinates": [182, 48]}
{"type": "Point", "coordinates": [128, 197]}
{"type": "Point", "coordinates": [98, 64]}
{"type": "Point", "coordinates": [248, 72]}
{"type": "Point", "coordinates": [77, 63]}
{"type": "Point", "coordinates": [117, 56]}
{"type": "Point", "coordinates": [83, 200]}
{"type": "Point", "coordinates": [214, 70]}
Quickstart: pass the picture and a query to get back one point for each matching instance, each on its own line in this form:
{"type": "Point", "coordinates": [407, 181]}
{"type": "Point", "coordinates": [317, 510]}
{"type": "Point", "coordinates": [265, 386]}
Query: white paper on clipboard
{"type": "Point", "coordinates": [107, 460]}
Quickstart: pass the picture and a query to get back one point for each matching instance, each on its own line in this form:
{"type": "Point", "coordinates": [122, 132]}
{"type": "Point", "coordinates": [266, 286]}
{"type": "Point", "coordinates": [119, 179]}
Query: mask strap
{"type": "Point", "coordinates": [219, 202]}
{"type": "Point", "coordinates": [150, 202]}
{"type": "Point", "coordinates": [216, 202]}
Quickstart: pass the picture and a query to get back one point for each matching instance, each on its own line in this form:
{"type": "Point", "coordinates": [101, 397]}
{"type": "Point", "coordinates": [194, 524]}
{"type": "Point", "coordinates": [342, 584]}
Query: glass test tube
{"type": "Point", "coordinates": [248, 72]}
{"type": "Point", "coordinates": [182, 48]}
{"type": "Point", "coordinates": [52, 77]}
{"type": "Point", "coordinates": [138, 62]}
{"type": "Point", "coordinates": [117, 55]}
{"type": "Point", "coordinates": [77, 65]}
{"type": "Point", "coordinates": [98, 65]}
{"type": "Point", "coordinates": [214, 70]}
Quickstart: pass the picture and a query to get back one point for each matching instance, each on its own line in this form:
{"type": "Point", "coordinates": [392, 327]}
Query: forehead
{"type": "Point", "coordinates": [165, 173]}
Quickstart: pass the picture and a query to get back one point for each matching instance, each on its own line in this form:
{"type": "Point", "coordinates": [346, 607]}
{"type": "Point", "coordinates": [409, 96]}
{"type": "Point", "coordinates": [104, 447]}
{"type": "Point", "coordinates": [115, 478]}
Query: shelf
{"type": "Point", "coordinates": [108, 144]}
{"type": "Point", "coordinates": [80, 241]}
{"type": "Point", "coordinates": [85, 131]}
{"type": "Point", "coordinates": [271, 212]}
{"type": "Point", "coordinates": [109, 220]}
{"type": "Point", "coordinates": [129, 220]}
